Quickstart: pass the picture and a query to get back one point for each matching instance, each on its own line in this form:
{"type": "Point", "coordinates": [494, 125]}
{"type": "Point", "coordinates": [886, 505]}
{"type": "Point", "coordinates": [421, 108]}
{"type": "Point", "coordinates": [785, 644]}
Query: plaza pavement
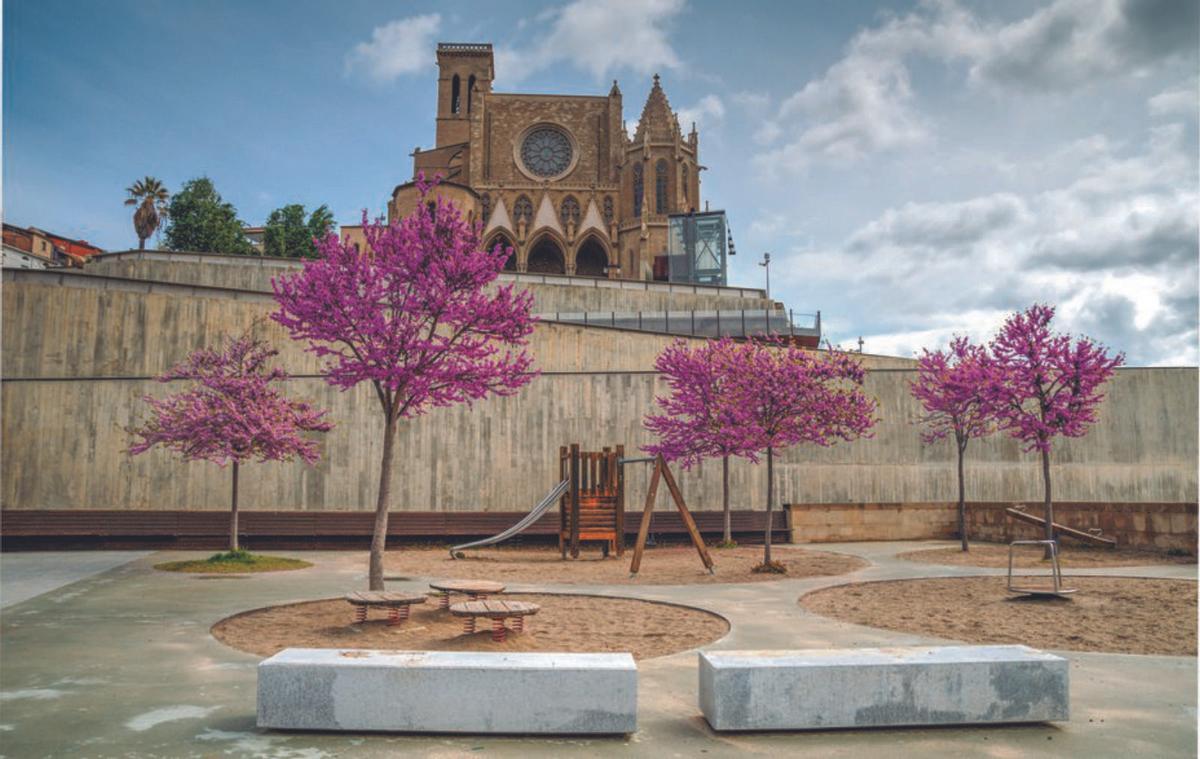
{"type": "Point", "coordinates": [120, 663]}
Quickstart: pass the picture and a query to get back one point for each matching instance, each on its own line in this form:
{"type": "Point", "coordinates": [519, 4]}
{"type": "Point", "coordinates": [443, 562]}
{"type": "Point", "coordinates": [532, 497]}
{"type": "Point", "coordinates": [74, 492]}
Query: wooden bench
{"type": "Point", "coordinates": [474, 590]}
{"type": "Point", "coordinates": [497, 611]}
{"type": "Point", "coordinates": [397, 604]}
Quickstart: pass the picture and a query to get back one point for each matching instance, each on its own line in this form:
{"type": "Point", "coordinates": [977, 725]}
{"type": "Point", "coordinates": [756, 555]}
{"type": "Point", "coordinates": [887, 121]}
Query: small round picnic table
{"type": "Point", "coordinates": [397, 604]}
{"type": "Point", "coordinates": [497, 611]}
{"type": "Point", "coordinates": [474, 590]}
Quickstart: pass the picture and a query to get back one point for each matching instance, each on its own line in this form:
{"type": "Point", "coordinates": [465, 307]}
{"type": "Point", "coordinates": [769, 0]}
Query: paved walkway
{"type": "Point", "coordinates": [120, 664]}
{"type": "Point", "coordinates": [28, 574]}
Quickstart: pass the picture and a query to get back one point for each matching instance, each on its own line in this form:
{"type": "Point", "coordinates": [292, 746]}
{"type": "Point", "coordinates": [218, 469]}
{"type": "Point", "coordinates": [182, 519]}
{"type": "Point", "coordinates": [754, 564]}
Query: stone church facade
{"type": "Point", "coordinates": [556, 177]}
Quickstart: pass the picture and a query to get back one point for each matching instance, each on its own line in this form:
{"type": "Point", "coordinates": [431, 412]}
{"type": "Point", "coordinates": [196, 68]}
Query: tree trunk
{"type": "Point", "coordinates": [1047, 503]}
{"type": "Point", "coordinates": [233, 512]}
{"type": "Point", "coordinates": [379, 537]}
{"type": "Point", "coordinates": [725, 499]}
{"type": "Point", "coordinates": [770, 502]}
{"type": "Point", "coordinates": [962, 500]}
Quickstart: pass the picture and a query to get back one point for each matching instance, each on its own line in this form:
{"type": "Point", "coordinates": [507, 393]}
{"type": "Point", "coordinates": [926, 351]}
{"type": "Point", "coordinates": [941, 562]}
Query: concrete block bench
{"type": "Point", "coordinates": [881, 687]}
{"type": "Point", "coordinates": [448, 692]}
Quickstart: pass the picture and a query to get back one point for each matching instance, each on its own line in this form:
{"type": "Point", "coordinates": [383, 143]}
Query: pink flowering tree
{"type": "Point", "coordinates": [783, 395]}
{"type": "Point", "coordinates": [414, 314]}
{"type": "Point", "coordinates": [1046, 384]}
{"type": "Point", "coordinates": [950, 386]}
{"type": "Point", "coordinates": [234, 413]}
{"type": "Point", "coordinates": [697, 419]}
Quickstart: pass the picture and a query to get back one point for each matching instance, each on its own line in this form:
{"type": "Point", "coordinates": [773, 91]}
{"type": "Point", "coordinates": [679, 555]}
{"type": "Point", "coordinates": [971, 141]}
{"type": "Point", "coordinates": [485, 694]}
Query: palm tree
{"type": "Point", "coordinates": [150, 196]}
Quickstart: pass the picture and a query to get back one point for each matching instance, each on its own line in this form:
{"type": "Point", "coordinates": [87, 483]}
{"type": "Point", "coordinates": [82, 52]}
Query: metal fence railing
{"type": "Point", "coordinates": [720, 323]}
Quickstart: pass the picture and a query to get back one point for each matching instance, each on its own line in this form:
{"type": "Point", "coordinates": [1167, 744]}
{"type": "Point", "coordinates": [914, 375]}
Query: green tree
{"type": "Point", "coordinates": [290, 235]}
{"type": "Point", "coordinates": [150, 196]}
{"type": "Point", "coordinates": [201, 220]}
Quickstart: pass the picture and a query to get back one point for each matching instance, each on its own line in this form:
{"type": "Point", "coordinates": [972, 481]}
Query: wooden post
{"type": "Point", "coordinates": [620, 482]}
{"type": "Point", "coordinates": [688, 522]}
{"type": "Point", "coordinates": [562, 502]}
{"type": "Point", "coordinates": [574, 519]}
{"type": "Point", "coordinates": [644, 527]}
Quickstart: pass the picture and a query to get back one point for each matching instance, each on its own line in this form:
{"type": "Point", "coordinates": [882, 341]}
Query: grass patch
{"type": "Point", "coordinates": [231, 562]}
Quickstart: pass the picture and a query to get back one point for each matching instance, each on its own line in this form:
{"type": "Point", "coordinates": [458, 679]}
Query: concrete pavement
{"type": "Point", "coordinates": [121, 664]}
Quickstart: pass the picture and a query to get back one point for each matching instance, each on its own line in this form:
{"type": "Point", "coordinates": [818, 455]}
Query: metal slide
{"type": "Point", "coordinates": [543, 506]}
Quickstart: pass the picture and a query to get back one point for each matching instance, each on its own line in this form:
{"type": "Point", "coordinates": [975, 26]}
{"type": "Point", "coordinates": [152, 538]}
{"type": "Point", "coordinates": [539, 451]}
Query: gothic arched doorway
{"type": "Point", "coordinates": [591, 260]}
{"type": "Point", "coordinates": [510, 263]}
{"type": "Point", "coordinates": [546, 257]}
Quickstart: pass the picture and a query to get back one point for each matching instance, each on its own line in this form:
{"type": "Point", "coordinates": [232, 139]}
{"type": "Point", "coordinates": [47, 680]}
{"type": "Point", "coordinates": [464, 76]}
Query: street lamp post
{"type": "Point", "coordinates": [766, 264]}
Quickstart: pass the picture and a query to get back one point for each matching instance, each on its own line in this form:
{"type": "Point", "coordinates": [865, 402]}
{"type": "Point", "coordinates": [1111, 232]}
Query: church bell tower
{"type": "Point", "coordinates": [465, 70]}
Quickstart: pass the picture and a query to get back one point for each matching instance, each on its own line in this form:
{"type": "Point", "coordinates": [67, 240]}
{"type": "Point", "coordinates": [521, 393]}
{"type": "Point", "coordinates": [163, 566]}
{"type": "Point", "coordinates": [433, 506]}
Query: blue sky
{"type": "Point", "coordinates": [915, 169]}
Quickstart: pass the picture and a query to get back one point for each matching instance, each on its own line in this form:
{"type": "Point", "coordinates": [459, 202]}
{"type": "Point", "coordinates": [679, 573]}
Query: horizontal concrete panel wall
{"type": "Point", "coordinates": [256, 273]}
{"type": "Point", "coordinates": [64, 448]}
{"type": "Point", "coordinates": [98, 328]}
{"type": "Point", "coordinates": [64, 416]}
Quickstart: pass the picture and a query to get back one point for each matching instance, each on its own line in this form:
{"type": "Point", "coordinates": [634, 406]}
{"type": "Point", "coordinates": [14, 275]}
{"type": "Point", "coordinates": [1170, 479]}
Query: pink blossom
{"type": "Point", "coordinates": [233, 413]}
{"type": "Point", "coordinates": [416, 315]}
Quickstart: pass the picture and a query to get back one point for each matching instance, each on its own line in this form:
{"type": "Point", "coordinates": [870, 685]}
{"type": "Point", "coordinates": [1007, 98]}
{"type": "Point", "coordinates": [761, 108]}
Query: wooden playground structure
{"type": "Point", "coordinates": [593, 506]}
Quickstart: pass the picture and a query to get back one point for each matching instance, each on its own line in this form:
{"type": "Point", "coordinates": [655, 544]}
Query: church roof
{"type": "Point", "coordinates": [658, 120]}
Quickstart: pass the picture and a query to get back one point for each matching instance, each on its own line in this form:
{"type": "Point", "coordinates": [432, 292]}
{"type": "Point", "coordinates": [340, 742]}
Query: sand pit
{"type": "Point", "coordinates": [1109, 614]}
{"type": "Point", "coordinates": [569, 623]}
{"type": "Point", "coordinates": [1030, 557]}
{"type": "Point", "coordinates": [665, 565]}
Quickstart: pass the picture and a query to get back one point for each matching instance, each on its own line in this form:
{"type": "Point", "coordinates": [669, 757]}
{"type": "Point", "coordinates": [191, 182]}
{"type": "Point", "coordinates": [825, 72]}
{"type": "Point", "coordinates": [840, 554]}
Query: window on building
{"type": "Point", "coordinates": [608, 209]}
{"type": "Point", "coordinates": [454, 94]}
{"type": "Point", "coordinates": [569, 211]}
{"type": "Point", "coordinates": [637, 189]}
{"type": "Point", "coordinates": [685, 183]}
{"type": "Point", "coordinates": [660, 186]}
{"type": "Point", "coordinates": [470, 91]}
{"type": "Point", "coordinates": [522, 210]}
{"type": "Point", "coordinates": [485, 208]}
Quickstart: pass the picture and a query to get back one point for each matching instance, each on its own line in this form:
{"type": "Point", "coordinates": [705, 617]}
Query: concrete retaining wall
{"type": "Point", "coordinates": [255, 273]}
{"type": "Point", "coordinates": [77, 361]}
{"type": "Point", "coordinates": [1150, 526]}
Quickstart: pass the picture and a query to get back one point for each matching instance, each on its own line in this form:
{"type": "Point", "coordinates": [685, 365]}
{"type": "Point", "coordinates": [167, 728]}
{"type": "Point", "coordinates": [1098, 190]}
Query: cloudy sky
{"type": "Point", "coordinates": [915, 169]}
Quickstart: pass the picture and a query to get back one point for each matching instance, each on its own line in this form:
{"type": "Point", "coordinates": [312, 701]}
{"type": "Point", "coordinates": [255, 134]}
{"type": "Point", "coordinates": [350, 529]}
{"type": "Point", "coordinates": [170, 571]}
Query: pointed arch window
{"type": "Point", "coordinates": [569, 211]}
{"type": "Point", "coordinates": [685, 183]}
{"type": "Point", "coordinates": [660, 186]}
{"type": "Point", "coordinates": [455, 95]}
{"type": "Point", "coordinates": [470, 91]}
{"type": "Point", "coordinates": [638, 188]}
{"type": "Point", "coordinates": [523, 210]}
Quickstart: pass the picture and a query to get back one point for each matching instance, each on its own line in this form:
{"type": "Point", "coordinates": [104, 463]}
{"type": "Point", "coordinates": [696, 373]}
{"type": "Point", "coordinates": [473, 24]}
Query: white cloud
{"type": "Point", "coordinates": [864, 103]}
{"type": "Point", "coordinates": [399, 47]}
{"type": "Point", "coordinates": [705, 113]}
{"type": "Point", "coordinates": [1179, 101]}
{"type": "Point", "coordinates": [582, 34]}
{"type": "Point", "coordinates": [1116, 248]}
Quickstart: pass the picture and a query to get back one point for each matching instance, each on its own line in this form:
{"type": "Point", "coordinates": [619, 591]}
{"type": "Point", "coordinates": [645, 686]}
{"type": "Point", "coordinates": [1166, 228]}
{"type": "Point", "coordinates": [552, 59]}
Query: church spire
{"type": "Point", "coordinates": [657, 121]}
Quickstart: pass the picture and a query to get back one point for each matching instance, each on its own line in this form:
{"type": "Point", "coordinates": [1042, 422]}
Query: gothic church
{"type": "Point", "coordinates": [556, 177]}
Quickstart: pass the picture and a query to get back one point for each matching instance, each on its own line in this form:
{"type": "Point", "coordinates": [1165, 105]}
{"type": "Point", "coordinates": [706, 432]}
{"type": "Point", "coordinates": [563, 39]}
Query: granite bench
{"type": "Point", "coordinates": [881, 687]}
{"type": "Point", "coordinates": [448, 692]}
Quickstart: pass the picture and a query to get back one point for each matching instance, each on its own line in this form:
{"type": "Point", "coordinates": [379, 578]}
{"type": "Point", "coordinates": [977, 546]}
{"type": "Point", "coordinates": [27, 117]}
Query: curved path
{"type": "Point", "coordinates": [121, 663]}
